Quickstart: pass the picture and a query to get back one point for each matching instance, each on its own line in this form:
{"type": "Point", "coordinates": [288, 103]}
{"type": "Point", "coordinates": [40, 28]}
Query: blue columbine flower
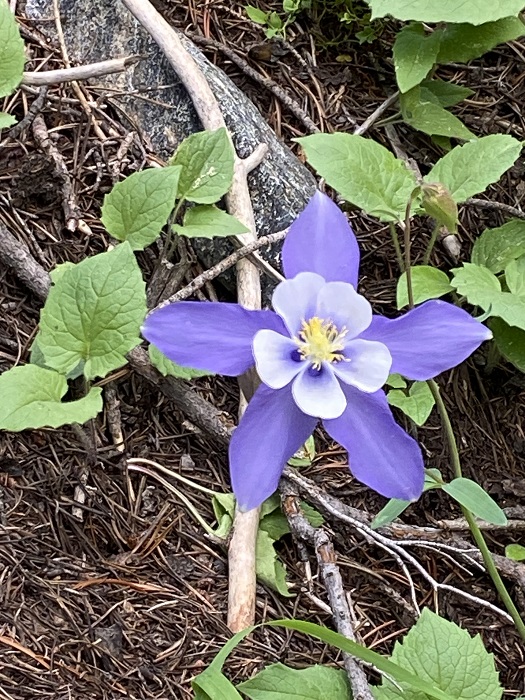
{"type": "Point", "coordinates": [321, 355]}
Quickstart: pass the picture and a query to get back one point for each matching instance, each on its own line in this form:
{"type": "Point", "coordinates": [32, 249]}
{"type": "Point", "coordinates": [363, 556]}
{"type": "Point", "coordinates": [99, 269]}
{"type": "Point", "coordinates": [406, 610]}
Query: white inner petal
{"type": "Point", "coordinates": [273, 358]}
{"type": "Point", "coordinates": [295, 299]}
{"type": "Point", "coordinates": [367, 365]}
{"type": "Point", "coordinates": [319, 394]}
{"type": "Point", "coordinates": [340, 303]}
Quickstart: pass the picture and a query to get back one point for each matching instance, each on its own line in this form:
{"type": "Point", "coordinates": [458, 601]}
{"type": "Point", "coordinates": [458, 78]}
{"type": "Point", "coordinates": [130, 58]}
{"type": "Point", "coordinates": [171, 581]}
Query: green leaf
{"type": "Point", "coordinates": [170, 369]}
{"type": "Point", "coordinates": [427, 283]}
{"type": "Point", "coordinates": [274, 21]}
{"type": "Point", "coordinates": [223, 505]}
{"type": "Point", "coordinates": [278, 682]}
{"type": "Point", "coordinates": [496, 247]}
{"type": "Point", "coordinates": [213, 685]}
{"type": "Point", "coordinates": [509, 307]}
{"type": "Point", "coordinates": [396, 670]}
{"type": "Point", "coordinates": [268, 568]}
{"type": "Point", "coordinates": [482, 288]}
{"type": "Point", "coordinates": [447, 94]}
{"type": "Point", "coordinates": [417, 405]}
{"type": "Point", "coordinates": [510, 341]}
{"type": "Point", "coordinates": [208, 221]}
{"type": "Point", "coordinates": [137, 208]}
{"type": "Point", "coordinates": [461, 43]}
{"type": "Point", "coordinates": [477, 283]}
{"type": "Point", "coordinates": [471, 168]}
{"type": "Point", "coordinates": [470, 495]}
{"type": "Point", "coordinates": [389, 513]}
{"type": "Point", "coordinates": [207, 160]}
{"type": "Point", "coordinates": [470, 11]}
{"type": "Point", "coordinates": [515, 276]}
{"type": "Point", "coordinates": [515, 552]}
{"type": "Point", "coordinates": [448, 657]}
{"type": "Point", "coordinates": [12, 57]}
{"type": "Point", "coordinates": [93, 314]}
{"type": "Point", "coordinates": [256, 15]}
{"type": "Point", "coordinates": [59, 270]}
{"type": "Point", "coordinates": [415, 53]}
{"type": "Point", "coordinates": [305, 455]}
{"type": "Point", "coordinates": [428, 116]}
{"type": "Point", "coordinates": [6, 120]}
{"type": "Point", "coordinates": [31, 398]}
{"type": "Point", "coordinates": [313, 516]}
{"type": "Point", "coordinates": [396, 381]}
{"type": "Point", "coordinates": [275, 525]}
{"type": "Point", "coordinates": [363, 172]}
{"type": "Point", "coordinates": [37, 358]}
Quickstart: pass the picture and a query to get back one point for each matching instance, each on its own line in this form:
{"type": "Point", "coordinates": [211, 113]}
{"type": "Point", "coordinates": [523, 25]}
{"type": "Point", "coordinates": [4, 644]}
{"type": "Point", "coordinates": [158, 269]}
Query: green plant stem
{"type": "Point", "coordinates": [397, 247]}
{"type": "Point", "coordinates": [431, 244]}
{"type": "Point", "coordinates": [474, 528]}
{"type": "Point", "coordinates": [408, 268]}
{"type": "Point", "coordinates": [171, 237]}
{"type": "Point", "coordinates": [493, 357]}
{"type": "Point", "coordinates": [456, 462]}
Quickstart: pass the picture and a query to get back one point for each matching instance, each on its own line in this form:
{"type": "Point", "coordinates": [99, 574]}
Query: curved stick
{"type": "Point", "coordinates": [241, 556]}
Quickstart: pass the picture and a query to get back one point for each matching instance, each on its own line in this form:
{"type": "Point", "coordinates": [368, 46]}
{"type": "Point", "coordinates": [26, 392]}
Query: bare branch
{"type": "Point", "coordinates": [92, 70]}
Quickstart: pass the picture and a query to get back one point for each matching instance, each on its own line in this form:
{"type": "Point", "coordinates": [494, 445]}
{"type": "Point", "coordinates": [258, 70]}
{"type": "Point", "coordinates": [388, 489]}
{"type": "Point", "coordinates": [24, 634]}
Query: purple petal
{"type": "Point", "coordinates": [341, 304]}
{"type": "Point", "coordinates": [321, 240]}
{"type": "Point", "coordinates": [270, 432]}
{"type": "Point", "coordinates": [381, 454]}
{"type": "Point", "coordinates": [367, 365]}
{"type": "Point", "coordinates": [210, 336]}
{"type": "Point", "coordinates": [318, 393]}
{"type": "Point", "coordinates": [295, 300]}
{"type": "Point", "coordinates": [429, 339]}
{"type": "Point", "coordinates": [273, 359]}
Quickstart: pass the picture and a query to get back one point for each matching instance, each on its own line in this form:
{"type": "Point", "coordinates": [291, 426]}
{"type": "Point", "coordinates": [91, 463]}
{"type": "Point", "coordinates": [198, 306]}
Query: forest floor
{"type": "Point", "coordinates": [130, 599]}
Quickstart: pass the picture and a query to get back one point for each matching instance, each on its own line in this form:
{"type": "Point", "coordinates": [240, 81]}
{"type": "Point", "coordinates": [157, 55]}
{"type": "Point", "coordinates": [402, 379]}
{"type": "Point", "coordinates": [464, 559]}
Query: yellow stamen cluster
{"type": "Point", "coordinates": [320, 341]}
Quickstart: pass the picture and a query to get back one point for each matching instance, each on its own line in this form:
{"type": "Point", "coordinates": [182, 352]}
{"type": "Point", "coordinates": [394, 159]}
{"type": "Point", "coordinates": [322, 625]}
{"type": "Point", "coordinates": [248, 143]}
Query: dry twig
{"type": "Point", "coordinates": [35, 108]}
{"type": "Point", "coordinates": [339, 599]}
{"type": "Point", "coordinates": [92, 70]}
{"type": "Point", "coordinates": [69, 201]}
{"type": "Point", "coordinates": [213, 272]}
{"type": "Point", "coordinates": [241, 603]}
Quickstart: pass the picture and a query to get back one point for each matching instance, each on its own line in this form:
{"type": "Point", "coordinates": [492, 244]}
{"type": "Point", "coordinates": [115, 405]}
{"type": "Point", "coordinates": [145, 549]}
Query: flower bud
{"type": "Point", "coordinates": [438, 203]}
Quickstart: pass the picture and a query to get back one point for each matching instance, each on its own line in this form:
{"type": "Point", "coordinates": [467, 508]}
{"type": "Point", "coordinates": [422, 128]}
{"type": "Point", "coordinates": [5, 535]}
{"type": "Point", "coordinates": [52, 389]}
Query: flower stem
{"type": "Point", "coordinates": [455, 459]}
{"type": "Point", "coordinates": [431, 244]}
{"type": "Point", "coordinates": [474, 528]}
{"type": "Point", "coordinates": [407, 242]}
{"type": "Point", "coordinates": [397, 247]}
{"type": "Point", "coordinates": [171, 236]}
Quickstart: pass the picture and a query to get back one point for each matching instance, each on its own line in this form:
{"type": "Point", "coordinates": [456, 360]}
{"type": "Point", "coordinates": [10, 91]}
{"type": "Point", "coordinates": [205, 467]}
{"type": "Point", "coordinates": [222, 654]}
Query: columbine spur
{"type": "Point", "coordinates": [321, 354]}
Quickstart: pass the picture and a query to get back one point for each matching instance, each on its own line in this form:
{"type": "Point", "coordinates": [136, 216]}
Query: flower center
{"type": "Point", "coordinates": [319, 341]}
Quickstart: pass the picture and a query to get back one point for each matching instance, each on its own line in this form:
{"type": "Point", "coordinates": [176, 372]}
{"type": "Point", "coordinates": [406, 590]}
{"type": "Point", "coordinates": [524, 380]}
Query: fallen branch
{"type": "Point", "coordinates": [339, 599]}
{"type": "Point", "coordinates": [29, 117]}
{"type": "Point", "coordinates": [241, 598]}
{"type": "Point", "coordinates": [16, 255]}
{"type": "Point", "coordinates": [496, 206]}
{"type": "Point", "coordinates": [66, 75]}
{"type": "Point", "coordinates": [397, 536]}
{"type": "Point", "coordinates": [69, 200]}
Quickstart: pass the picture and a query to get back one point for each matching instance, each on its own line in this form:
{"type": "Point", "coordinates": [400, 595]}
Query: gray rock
{"type": "Point", "coordinates": [100, 29]}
